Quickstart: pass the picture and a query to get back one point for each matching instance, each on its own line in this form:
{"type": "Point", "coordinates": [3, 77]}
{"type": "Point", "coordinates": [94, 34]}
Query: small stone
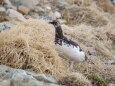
{"type": "Point", "coordinates": [46, 18]}
{"type": "Point", "coordinates": [93, 52]}
{"type": "Point", "coordinates": [4, 70]}
{"type": "Point", "coordinates": [8, 5]}
{"type": "Point", "coordinates": [42, 77]}
{"type": "Point", "coordinates": [62, 4]}
{"type": "Point", "coordinates": [40, 11]}
{"type": "Point", "coordinates": [18, 75]}
{"type": "Point", "coordinates": [110, 61]}
{"type": "Point", "coordinates": [48, 8]}
{"type": "Point", "coordinates": [5, 25]}
{"type": "Point", "coordinates": [114, 2]}
{"type": "Point", "coordinates": [5, 83]}
{"type": "Point", "coordinates": [111, 84]}
{"type": "Point", "coordinates": [2, 14]}
{"type": "Point", "coordinates": [62, 21]}
{"type": "Point", "coordinates": [2, 9]}
{"type": "Point", "coordinates": [57, 14]}
{"type": "Point", "coordinates": [113, 42]}
{"type": "Point", "coordinates": [24, 10]}
{"type": "Point", "coordinates": [15, 15]}
{"type": "Point", "coordinates": [1, 1]}
{"type": "Point", "coordinates": [28, 3]}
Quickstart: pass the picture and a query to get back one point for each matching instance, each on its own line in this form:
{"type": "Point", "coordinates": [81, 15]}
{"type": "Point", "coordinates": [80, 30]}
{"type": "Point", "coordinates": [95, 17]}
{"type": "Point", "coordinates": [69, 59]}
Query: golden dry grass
{"type": "Point", "coordinates": [75, 79]}
{"type": "Point", "coordinates": [90, 16]}
{"type": "Point", "coordinates": [98, 41]}
{"type": "Point", "coordinates": [30, 45]}
{"type": "Point", "coordinates": [106, 5]}
{"type": "Point", "coordinates": [81, 2]}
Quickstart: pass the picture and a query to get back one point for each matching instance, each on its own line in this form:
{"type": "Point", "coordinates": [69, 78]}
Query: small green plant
{"type": "Point", "coordinates": [95, 79]}
{"type": "Point", "coordinates": [100, 80]}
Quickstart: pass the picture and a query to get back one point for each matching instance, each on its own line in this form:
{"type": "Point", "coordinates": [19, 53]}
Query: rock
{"type": "Point", "coordinates": [111, 84]}
{"type": "Point", "coordinates": [40, 10]}
{"type": "Point", "coordinates": [18, 77]}
{"type": "Point", "coordinates": [113, 15]}
{"type": "Point", "coordinates": [15, 15]}
{"type": "Point", "coordinates": [62, 21]}
{"type": "Point", "coordinates": [34, 16]}
{"type": "Point", "coordinates": [4, 83]}
{"type": "Point", "coordinates": [4, 70]}
{"type": "Point", "coordinates": [57, 14]}
{"type": "Point", "coordinates": [113, 42]}
{"type": "Point", "coordinates": [22, 9]}
{"type": "Point", "coordinates": [43, 10]}
{"type": "Point", "coordinates": [113, 1]}
{"type": "Point", "coordinates": [2, 10]}
{"type": "Point", "coordinates": [93, 52]}
{"type": "Point", "coordinates": [61, 4]}
{"type": "Point", "coordinates": [42, 77]}
{"type": "Point", "coordinates": [48, 7]}
{"type": "Point", "coordinates": [46, 18]}
{"type": "Point", "coordinates": [1, 1]}
{"type": "Point", "coordinates": [5, 25]}
{"type": "Point", "coordinates": [35, 2]}
{"type": "Point", "coordinates": [8, 5]}
{"type": "Point", "coordinates": [4, 18]}
{"type": "Point", "coordinates": [2, 14]}
{"type": "Point", "coordinates": [110, 61]}
{"type": "Point", "coordinates": [30, 4]}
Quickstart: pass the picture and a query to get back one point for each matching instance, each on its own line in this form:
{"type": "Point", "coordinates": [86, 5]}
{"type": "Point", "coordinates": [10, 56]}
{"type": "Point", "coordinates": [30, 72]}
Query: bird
{"type": "Point", "coordinates": [66, 47]}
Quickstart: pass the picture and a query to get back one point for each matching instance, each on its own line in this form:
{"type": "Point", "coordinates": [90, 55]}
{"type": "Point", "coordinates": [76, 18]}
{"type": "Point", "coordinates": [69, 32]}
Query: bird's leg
{"type": "Point", "coordinates": [71, 64]}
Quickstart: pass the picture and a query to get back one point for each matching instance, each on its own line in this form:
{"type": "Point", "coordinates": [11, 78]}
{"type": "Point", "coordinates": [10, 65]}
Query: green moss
{"type": "Point", "coordinates": [100, 80]}
{"type": "Point", "coordinates": [96, 79]}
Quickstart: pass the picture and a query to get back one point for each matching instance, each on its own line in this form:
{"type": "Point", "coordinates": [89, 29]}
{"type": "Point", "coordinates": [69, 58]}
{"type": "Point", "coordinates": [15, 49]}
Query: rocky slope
{"type": "Point", "coordinates": [27, 42]}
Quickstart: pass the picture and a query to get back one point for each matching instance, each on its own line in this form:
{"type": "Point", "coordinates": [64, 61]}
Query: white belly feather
{"type": "Point", "coordinates": [71, 52]}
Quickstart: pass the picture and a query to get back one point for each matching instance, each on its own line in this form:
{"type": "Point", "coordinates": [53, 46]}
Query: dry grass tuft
{"type": "Point", "coordinates": [106, 5]}
{"type": "Point", "coordinates": [97, 43]}
{"type": "Point", "coordinates": [77, 15]}
{"type": "Point", "coordinates": [75, 79]}
{"type": "Point", "coordinates": [93, 38]}
{"type": "Point", "coordinates": [81, 2]}
{"type": "Point", "coordinates": [30, 45]}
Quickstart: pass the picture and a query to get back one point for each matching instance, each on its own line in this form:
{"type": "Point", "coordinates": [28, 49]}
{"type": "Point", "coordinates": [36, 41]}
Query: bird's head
{"type": "Point", "coordinates": [55, 23]}
{"type": "Point", "coordinates": [58, 29]}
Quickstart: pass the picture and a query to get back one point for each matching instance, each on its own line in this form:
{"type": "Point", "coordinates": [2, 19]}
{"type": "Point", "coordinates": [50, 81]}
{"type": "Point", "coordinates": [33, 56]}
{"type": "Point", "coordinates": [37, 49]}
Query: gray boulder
{"type": "Point", "coordinates": [27, 3]}
{"type": "Point", "coordinates": [13, 14]}
{"type": "Point", "coordinates": [19, 77]}
{"type": "Point", "coordinates": [62, 4]}
{"type": "Point", "coordinates": [5, 25]}
{"type": "Point", "coordinates": [8, 5]}
{"type": "Point", "coordinates": [2, 11]}
{"type": "Point", "coordinates": [113, 1]}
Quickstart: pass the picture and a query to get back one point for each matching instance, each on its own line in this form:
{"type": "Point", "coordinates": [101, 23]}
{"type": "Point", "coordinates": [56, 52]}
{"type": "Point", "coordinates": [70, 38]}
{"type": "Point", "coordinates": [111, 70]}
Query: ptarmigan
{"type": "Point", "coordinates": [66, 47]}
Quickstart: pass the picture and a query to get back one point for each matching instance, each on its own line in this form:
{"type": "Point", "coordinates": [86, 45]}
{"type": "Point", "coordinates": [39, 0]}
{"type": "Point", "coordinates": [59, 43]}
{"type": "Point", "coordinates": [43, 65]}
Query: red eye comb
{"type": "Point", "coordinates": [54, 21]}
